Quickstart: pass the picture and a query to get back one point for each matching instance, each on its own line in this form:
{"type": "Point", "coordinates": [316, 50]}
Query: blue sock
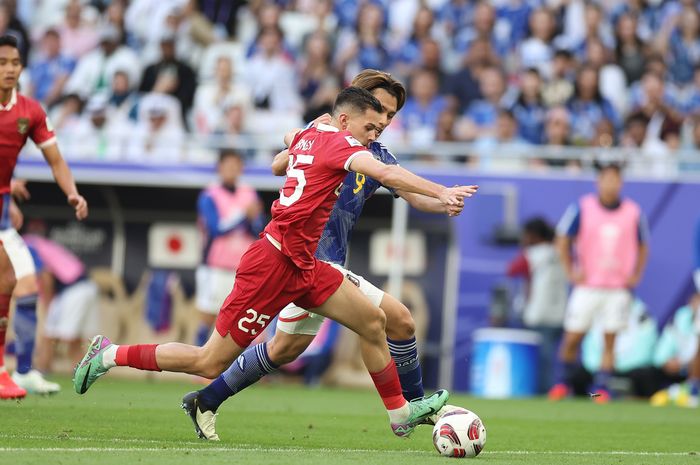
{"type": "Point", "coordinates": [601, 380]}
{"type": "Point", "coordinates": [203, 333]}
{"type": "Point", "coordinates": [25, 331]}
{"type": "Point", "coordinates": [250, 366]}
{"type": "Point", "coordinates": [694, 386]}
{"type": "Point", "coordinates": [405, 355]}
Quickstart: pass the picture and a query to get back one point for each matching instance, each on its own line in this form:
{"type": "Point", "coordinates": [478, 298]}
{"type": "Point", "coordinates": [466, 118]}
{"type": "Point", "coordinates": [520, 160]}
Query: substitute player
{"type": "Point", "coordinates": [230, 218]}
{"type": "Point", "coordinates": [611, 237]}
{"type": "Point", "coordinates": [281, 268]}
{"type": "Point", "coordinates": [296, 327]}
{"type": "Point", "coordinates": [22, 118]}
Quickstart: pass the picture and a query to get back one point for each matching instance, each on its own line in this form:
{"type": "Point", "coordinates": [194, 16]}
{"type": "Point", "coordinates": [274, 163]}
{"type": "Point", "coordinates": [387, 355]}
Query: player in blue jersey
{"type": "Point", "coordinates": [296, 327]}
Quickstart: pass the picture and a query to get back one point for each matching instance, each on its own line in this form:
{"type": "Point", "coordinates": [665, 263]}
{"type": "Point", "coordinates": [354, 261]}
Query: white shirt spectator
{"type": "Point", "coordinates": [159, 136]}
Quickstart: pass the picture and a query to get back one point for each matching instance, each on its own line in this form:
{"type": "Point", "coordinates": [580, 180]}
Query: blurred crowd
{"type": "Point", "coordinates": [132, 79]}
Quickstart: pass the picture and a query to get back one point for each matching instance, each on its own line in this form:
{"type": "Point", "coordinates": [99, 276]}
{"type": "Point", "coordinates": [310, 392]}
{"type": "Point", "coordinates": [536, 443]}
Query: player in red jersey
{"type": "Point", "coordinates": [22, 118]}
{"type": "Point", "coordinates": [281, 267]}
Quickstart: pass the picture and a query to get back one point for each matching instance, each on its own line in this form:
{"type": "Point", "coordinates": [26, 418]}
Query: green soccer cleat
{"type": "Point", "coordinates": [421, 411]}
{"type": "Point", "coordinates": [90, 367]}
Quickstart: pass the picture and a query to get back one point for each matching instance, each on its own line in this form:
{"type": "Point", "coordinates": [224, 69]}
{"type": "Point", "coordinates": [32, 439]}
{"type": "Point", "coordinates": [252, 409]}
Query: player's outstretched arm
{"type": "Point", "coordinates": [400, 178]}
{"type": "Point", "coordinates": [280, 162]}
{"type": "Point", "coordinates": [64, 179]}
{"type": "Point", "coordinates": [429, 204]}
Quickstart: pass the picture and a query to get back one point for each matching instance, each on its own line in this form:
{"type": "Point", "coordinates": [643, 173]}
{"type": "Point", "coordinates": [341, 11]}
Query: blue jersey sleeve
{"type": "Point", "coordinates": [208, 214]}
{"type": "Point", "coordinates": [385, 156]}
{"type": "Point", "coordinates": [570, 222]}
{"type": "Point", "coordinates": [643, 233]}
{"type": "Point", "coordinates": [38, 263]}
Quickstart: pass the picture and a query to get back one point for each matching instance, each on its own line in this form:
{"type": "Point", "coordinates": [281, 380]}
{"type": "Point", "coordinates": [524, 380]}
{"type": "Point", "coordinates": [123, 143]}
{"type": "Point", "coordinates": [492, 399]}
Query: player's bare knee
{"type": "Point", "coordinates": [402, 328]}
{"type": "Point", "coordinates": [375, 327]}
{"type": "Point", "coordinates": [7, 281]}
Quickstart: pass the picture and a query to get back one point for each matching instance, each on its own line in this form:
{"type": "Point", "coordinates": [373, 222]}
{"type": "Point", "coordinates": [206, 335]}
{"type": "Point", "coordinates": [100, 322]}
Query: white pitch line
{"type": "Point", "coordinates": [245, 448]}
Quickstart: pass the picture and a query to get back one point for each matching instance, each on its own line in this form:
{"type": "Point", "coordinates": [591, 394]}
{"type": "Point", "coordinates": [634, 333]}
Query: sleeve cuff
{"type": "Point", "coordinates": [47, 143]}
{"type": "Point", "coordinates": [353, 156]}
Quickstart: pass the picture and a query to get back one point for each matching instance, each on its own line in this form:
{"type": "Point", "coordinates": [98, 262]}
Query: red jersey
{"type": "Point", "coordinates": [21, 118]}
{"type": "Point", "coordinates": [319, 159]}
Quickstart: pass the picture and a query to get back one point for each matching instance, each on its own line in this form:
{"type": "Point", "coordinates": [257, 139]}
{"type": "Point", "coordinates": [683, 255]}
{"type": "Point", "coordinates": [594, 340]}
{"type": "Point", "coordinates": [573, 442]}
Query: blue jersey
{"type": "Point", "coordinates": [354, 192]}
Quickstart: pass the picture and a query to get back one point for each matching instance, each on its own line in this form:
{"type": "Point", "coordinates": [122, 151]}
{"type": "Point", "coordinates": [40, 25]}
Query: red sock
{"type": "Point", "coordinates": [4, 322]}
{"type": "Point", "coordinates": [141, 356]}
{"type": "Point", "coordinates": [389, 387]}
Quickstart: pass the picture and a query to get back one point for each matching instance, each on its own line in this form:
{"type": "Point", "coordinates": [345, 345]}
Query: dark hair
{"type": "Point", "coordinates": [358, 99]}
{"type": "Point", "coordinates": [9, 41]}
{"type": "Point", "coordinates": [540, 228]}
{"type": "Point", "coordinates": [604, 165]}
{"type": "Point", "coordinates": [227, 153]}
{"type": "Point", "coordinates": [371, 79]}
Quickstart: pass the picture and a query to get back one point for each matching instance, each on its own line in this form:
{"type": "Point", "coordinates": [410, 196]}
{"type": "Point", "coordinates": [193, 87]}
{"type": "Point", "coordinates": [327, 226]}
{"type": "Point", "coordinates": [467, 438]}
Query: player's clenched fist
{"type": "Point", "coordinates": [80, 205]}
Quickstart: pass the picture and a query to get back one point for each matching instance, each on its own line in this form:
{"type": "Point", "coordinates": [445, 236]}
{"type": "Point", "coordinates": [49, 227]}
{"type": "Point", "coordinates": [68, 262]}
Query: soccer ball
{"type": "Point", "coordinates": [459, 433]}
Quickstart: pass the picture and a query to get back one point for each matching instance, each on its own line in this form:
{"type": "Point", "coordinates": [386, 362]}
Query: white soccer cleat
{"type": "Point", "coordinates": [34, 383]}
{"type": "Point", "coordinates": [445, 409]}
{"type": "Point", "coordinates": [204, 420]}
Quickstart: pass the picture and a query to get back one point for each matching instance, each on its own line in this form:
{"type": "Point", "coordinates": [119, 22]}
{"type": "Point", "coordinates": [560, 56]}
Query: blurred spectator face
{"type": "Point", "coordinates": [120, 83]}
{"type": "Point", "coordinates": [424, 86]}
{"type": "Point", "coordinates": [542, 24]}
{"type": "Point", "coordinates": [609, 184]}
{"type": "Point", "coordinates": [73, 14]}
{"type": "Point", "coordinates": [224, 70]}
{"type": "Point", "coordinates": [51, 43]}
{"type": "Point", "coordinates": [605, 133]}
{"type": "Point", "coordinates": [506, 126]}
{"type": "Point", "coordinates": [269, 16]}
{"type": "Point", "coordinates": [370, 19]}
{"type": "Point", "coordinates": [4, 18]}
{"type": "Point", "coordinates": [234, 119]}
{"type": "Point", "coordinates": [689, 22]}
{"type": "Point", "coordinates": [98, 118]}
{"type": "Point", "coordinates": [480, 52]}
{"type": "Point", "coordinates": [317, 48]}
{"type": "Point", "coordinates": [230, 168]}
{"type": "Point", "coordinates": [653, 87]}
{"type": "Point", "coordinates": [656, 64]}
{"type": "Point", "coordinates": [423, 22]}
{"type": "Point", "coordinates": [596, 53]}
{"type": "Point", "coordinates": [445, 126]}
{"type": "Point", "coordinates": [484, 18]}
{"type": "Point", "coordinates": [557, 127]}
{"type": "Point", "coordinates": [587, 81]}
{"type": "Point", "coordinates": [270, 42]}
{"type": "Point", "coordinates": [430, 54]}
{"type": "Point", "coordinates": [635, 131]}
{"type": "Point", "coordinates": [593, 17]}
{"type": "Point", "coordinates": [627, 28]}
{"type": "Point", "coordinates": [492, 84]}
{"type": "Point", "coordinates": [167, 49]}
{"type": "Point", "coordinates": [561, 64]}
{"type": "Point", "coordinates": [531, 84]}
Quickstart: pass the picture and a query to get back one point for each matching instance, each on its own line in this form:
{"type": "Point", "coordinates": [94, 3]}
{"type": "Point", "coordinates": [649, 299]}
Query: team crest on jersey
{"type": "Point", "coordinates": [22, 125]}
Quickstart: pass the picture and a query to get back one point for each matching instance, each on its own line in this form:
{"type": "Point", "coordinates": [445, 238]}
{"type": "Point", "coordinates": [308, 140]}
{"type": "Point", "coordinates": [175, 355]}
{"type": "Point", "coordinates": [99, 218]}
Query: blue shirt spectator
{"type": "Point", "coordinates": [50, 72]}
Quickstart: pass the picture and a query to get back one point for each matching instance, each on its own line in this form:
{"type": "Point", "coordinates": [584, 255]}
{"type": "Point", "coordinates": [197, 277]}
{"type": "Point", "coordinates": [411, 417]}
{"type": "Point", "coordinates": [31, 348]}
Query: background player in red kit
{"type": "Point", "coordinates": [281, 267]}
{"type": "Point", "coordinates": [22, 118]}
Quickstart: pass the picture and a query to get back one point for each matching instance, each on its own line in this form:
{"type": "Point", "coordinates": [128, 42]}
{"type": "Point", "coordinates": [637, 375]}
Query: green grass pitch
{"type": "Point", "coordinates": [135, 422]}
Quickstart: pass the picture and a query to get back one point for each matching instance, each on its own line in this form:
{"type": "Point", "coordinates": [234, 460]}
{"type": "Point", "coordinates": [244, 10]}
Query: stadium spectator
{"type": "Point", "coordinates": [96, 69]}
{"type": "Point", "coordinates": [159, 136]}
{"type": "Point", "coordinates": [222, 13]}
{"type": "Point", "coordinates": [559, 88]}
{"type": "Point", "coordinates": [363, 47]}
{"type": "Point", "coordinates": [681, 45]}
{"type": "Point", "coordinates": [407, 55]}
{"type": "Point", "coordinates": [171, 76]}
{"type": "Point", "coordinates": [66, 113]}
{"type": "Point", "coordinates": [529, 109]}
{"type": "Point", "coordinates": [462, 86]}
{"type": "Point", "coordinates": [420, 115]}
{"type": "Point", "coordinates": [12, 26]}
{"type": "Point", "coordinates": [97, 136]}
{"type": "Point", "coordinates": [545, 298]}
{"type": "Point", "coordinates": [210, 97]}
{"type": "Point", "coordinates": [78, 37]}
{"type": "Point", "coordinates": [314, 66]}
{"type": "Point", "coordinates": [51, 71]}
{"type": "Point", "coordinates": [611, 82]}
{"type": "Point", "coordinates": [480, 117]}
{"type": "Point", "coordinates": [588, 107]}
{"type": "Point", "coordinates": [270, 75]}
{"type": "Point", "coordinates": [557, 129]}
{"type": "Point", "coordinates": [635, 130]}
{"type": "Point", "coordinates": [431, 58]}
{"type": "Point", "coordinates": [630, 51]}
{"type": "Point", "coordinates": [483, 22]}
{"type": "Point", "coordinates": [537, 51]}
{"type": "Point", "coordinates": [230, 217]}
{"type": "Point", "coordinates": [502, 149]}
{"type": "Point", "coordinates": [611, 237]}
{"type": "Point", "coordinates": [123, 99]}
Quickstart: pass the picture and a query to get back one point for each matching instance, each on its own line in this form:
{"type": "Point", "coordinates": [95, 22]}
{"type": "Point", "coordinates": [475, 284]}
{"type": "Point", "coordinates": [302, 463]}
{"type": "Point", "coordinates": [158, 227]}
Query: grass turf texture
{"type": "Point", "coordinates": [136, 422]}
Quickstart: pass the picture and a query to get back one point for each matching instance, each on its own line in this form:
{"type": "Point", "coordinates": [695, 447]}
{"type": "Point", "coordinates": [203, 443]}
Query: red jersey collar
{"type": "Point", "coordinates": [11, 103]}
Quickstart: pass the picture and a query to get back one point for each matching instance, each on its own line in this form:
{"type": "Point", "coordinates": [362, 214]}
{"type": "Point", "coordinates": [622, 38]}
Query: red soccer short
{"type": "Point", "coordinates": [266, 281]}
